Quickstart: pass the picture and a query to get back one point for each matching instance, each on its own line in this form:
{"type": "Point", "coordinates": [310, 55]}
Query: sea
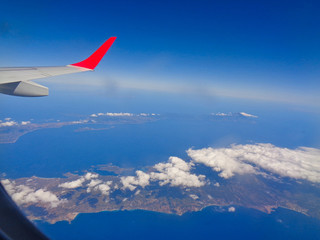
{"type": "Point", "coordinates": [185, 124]}
{"type": "Point", "coordinates": [210, 223]}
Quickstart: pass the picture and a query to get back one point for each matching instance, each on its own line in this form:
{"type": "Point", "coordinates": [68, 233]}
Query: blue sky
{"type": "Point", "coordinates": [254, 50]}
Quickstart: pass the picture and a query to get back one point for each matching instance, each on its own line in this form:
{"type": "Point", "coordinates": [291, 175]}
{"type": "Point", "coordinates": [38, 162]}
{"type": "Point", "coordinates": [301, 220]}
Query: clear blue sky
{"type": "Point", "coordinates": [268, 50]}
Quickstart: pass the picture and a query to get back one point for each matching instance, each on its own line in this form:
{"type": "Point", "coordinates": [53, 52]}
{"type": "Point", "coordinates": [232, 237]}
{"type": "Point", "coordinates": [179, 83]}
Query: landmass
{"type": "Point", "coordinates": [62, 199]}
{"type": "Point", "coordinates": [257, 176]}
{"type": "Point", "coordinates": [11, 131]}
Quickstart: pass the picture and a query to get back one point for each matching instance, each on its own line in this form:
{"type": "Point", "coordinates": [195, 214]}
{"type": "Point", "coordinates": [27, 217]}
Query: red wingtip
{"type": "Point", "coordinates": [92, 61]}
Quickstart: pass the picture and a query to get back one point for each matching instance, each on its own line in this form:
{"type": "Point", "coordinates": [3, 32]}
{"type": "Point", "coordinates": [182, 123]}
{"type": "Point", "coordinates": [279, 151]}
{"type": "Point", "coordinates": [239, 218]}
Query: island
{"type": "Point", "coordinates": [62, 199]}
{"type": "Point", "coordinates": [11, 131]}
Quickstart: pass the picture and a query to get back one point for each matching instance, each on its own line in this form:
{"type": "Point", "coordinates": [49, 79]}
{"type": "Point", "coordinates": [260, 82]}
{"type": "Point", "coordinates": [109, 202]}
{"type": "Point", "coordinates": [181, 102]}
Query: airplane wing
{"type": "Point", "coordinates": [16, 80]}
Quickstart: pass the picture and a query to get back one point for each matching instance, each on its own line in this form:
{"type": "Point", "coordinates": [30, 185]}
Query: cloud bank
{"type": "Point", "coordinates": [301, 163]}
{"type": "Point", "coordinates": [176, 172]}
{"type": "Point", "coordinates": [91, 181]}
{"type": "Point", "coordinates": [121, 114]}
{"type": "Point", "coordinates": [78, 182]}
{"type": "Point", "coordinates": [8, 122]}
{"type": "Point", "coordinates": [243, 114]}
{"type": "Point", "coordinates": [130, 182]}
{"type": "Point", "coordinates": [99, 186]}
{"type": "Point", "coordinates": [112, 114]}
{"type": "Point", "coordinates": [23, 194]}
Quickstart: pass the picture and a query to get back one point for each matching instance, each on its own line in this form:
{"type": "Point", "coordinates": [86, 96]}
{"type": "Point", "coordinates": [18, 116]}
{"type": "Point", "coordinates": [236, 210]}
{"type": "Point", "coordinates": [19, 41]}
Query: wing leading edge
{"type": "Point", "coordinates": [16, 80]}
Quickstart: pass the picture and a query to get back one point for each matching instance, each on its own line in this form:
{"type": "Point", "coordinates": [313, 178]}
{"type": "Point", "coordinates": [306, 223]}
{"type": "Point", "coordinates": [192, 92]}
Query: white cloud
{"type": "Point", "coordinates": [234, 114]}
{"type": "Point", "coordinates": [80, 121]}
{"type": "Point", "coordinates": [216, 184]}
{"type": "Point", "coordinates": [176, 172]}
{"type": "Point", "coordinates": [8, 124]}
{"type": "Point", "coordinates": [137, 192]}
{"type": "Point", "coordinates": [73, 184]}
{"type": "Point", "coordinates": [221, 160]}
{"type": "Point", "coordinates": [112, 114]}
{"type": "Point", "coordinates": [98, 185]}
{"type": "Point", "coordinates": [89, 176]}
{"type": "Point", "coordinates": [193, 196]}
{"type": "Point", "coordinates": [104, 188]}
{"type": "Point", "coordinates": [25, 123]}
{"type": "Point", "coordinates": [78, 183]}
{"type": "Point", "coordinates": [93, 183]}
{"type": "Point", "coordinates": [130, 182]}
{"type": "Point", "coordinates": [300, 163]}
{"type": "Point", "coordinates": [248, 115]}
{"type": "Point", "coordinates": [119, 114]}
{"type": "Point", "coordinates": [23, 194]}
{"type": "Point", "coordinates": [231, 209]}
{"type": "Point", "coordinates": [221, 114]}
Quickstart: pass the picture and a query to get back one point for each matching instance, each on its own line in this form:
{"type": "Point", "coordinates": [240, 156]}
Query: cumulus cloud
{"type": "Point", "coordinates": [148, 114]}
{"type": "Point", "coordinates": [23, 194]}
{"type": "Point", "coordinates": [112, 114]}
{"type": "Point", "coordinates": [80, 121]}
{"type": "Point", "coordinates": [301, 163]}
{"type": "Point", "coordinates": [78, 182]}
{"type": "Point", "coordinates": [130, 182]}
{"type": "Point", "coordinates": [98, 185]}
{"type": "Point", "coordinates": [231, 209]}
{"type": "Point", "coordinates": [137, 192]}
{"type": "Point", "coordinates": [73, 184]}
{"type": "Point", "coordinates": [248, 115]}
{"type": "Point", "coordinates": [8, 124]}
{"type": "Point", "coordinates": [222, 114]}
{"type": "Point", "coordinates": [90, 175]}
{"type": "Point", "coordinates": [193, 196]}
{"type": "Point", "coordinates": [219, 114]}
{"type": "Point", "coordinates": [25, 123]}
{"type": "Point", "coordinates": [119, 114]}
{"type": "Point", "coordinates": [91, 181]}
{"type": "Point", "coordinates": [176, 172]}
{"type": "Point", "coordinates": [122, 114]}
{"type": "Point", "coordinates": [221, 161]}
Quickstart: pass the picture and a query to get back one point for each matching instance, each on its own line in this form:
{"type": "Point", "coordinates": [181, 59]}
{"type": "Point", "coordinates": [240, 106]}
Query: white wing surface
{"type": "Point", "coordinates": [17, 80]}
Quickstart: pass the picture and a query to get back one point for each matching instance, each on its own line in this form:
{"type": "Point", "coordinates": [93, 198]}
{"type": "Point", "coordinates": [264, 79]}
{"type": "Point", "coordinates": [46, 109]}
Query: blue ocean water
{"type": "Point", "coordinates": [54, 152]}
{"type": "Point", "coordinates": [206, 224]}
